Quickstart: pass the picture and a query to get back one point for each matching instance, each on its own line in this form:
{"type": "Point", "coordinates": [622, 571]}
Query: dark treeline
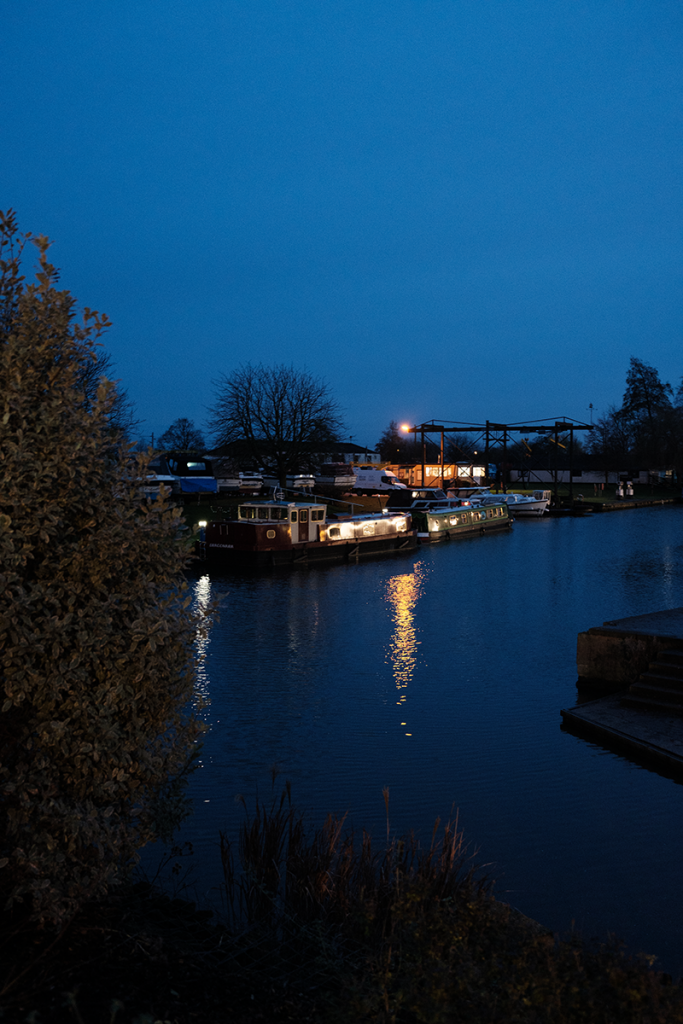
{"type": "Point", "coordinates": [645, 432]}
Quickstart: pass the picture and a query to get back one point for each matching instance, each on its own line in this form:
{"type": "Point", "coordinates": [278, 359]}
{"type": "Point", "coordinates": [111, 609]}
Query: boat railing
{"type": "Point", "coordinates": [316, 499]}
{"type": "Point", "coordinates": [304, 497]}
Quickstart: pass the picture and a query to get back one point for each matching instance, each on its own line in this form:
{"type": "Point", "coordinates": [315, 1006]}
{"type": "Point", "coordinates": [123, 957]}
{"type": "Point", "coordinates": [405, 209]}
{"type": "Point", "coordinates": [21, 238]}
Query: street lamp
{"type": "Point", "coordinates": [407, 429]}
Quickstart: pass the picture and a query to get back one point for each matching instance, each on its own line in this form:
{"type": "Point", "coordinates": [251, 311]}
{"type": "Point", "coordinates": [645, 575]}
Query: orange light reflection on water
{"type": "Point", "coordinates": [403, 593]}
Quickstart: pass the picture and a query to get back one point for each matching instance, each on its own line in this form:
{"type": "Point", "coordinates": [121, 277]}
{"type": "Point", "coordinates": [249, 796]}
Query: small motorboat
{"type": "Point", "coordinates": [518, 504]}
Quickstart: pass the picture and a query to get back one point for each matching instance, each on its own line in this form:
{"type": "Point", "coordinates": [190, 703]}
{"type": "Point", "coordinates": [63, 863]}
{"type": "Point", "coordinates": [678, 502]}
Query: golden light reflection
{"type": "Point", "coordinates": [402, 593]}
{"type": "Point", "coordinates": [201, 606]}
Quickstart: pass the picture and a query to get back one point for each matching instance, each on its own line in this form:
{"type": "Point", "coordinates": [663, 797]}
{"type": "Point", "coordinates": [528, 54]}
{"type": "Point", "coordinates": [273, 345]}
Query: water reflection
{"type": "Point", "coordinates": [201, 603]}
{"type": "Point", "coordinates": [403, 592]}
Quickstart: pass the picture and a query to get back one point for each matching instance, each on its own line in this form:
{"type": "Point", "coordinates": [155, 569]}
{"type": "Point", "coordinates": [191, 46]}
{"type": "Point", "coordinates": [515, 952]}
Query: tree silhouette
{"type": "Point", "coordinates": [645, 406]}
{"type": "Point", "coordinates": [182, 436]}
{"type": "Point", "coordinates": [644, 392]}
{"type": "Point", "coordinates": [281, 417]}
{"type": "Point", "coordinates": [122, 418]}
{"type": "Point", "coordinates": [396, 445]}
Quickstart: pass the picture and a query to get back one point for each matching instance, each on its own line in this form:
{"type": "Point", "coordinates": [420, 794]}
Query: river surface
{"type": "Point", "coordinates": [441, 674]}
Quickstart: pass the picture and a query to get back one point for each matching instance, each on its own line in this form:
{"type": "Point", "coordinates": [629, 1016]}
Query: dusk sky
{"type": "Point", "coordinates": [460, 210]}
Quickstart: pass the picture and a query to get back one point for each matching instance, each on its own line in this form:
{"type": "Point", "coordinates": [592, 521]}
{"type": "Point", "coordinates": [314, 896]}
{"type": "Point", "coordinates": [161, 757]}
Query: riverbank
{"type": "Point", "coordinates": [198, 508]}
{"type": "Point", "coordinates": [141, 956]}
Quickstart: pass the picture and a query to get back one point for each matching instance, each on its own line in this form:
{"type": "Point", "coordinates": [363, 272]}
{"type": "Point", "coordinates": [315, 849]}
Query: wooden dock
{"type": "Point", "coordinates": [619, 505]}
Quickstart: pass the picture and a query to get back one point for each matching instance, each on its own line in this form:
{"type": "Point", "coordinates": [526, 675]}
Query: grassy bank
{"type": "Point", "coordinates": [321, 926]}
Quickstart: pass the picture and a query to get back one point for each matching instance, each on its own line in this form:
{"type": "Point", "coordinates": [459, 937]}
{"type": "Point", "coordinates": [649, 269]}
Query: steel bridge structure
{"type": "Point", "coordinates": [495, 438]}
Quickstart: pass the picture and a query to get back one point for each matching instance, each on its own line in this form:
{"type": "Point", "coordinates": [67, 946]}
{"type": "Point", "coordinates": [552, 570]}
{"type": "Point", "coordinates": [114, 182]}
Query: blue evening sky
{"type": "Point", "coordinates": [449, 209]}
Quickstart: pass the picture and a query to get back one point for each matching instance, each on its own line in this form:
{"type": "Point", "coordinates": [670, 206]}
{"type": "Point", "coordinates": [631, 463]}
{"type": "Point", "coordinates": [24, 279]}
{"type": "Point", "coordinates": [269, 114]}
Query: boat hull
{"type": "Point", "coordinates": [518, 504]}
{"type": "Point", "coordinates": [451, 524]}
{"type": "Point", "coordinates": [529, 510]}
{"type": "Point", "coordinates": [312, 551]}
{"type": "Point", "coordinates": [279, 533]}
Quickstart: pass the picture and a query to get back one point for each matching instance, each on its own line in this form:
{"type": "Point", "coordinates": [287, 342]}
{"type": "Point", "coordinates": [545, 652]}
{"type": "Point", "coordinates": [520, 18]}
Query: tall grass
{"type": "Point", "coordinates": [401, 932]}
{"type": "Point", "coordinates": [287, 872]}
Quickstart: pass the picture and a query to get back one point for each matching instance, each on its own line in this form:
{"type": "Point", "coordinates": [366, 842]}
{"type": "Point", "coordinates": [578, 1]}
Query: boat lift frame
{"type": "Point", "coordinates": [496, 436]}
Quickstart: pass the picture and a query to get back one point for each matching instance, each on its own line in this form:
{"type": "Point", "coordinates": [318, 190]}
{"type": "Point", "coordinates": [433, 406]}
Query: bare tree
{"type": "Point", "coordinates": [282, 417]}
{"type": "Point", "coordinates": [182, 436]}
{"type": "Point", "coordinates": [95, 369]}
{"type": "Point", "coordinates": [611, 441]}
{"type": "Point", "coordinates": [459, 448]}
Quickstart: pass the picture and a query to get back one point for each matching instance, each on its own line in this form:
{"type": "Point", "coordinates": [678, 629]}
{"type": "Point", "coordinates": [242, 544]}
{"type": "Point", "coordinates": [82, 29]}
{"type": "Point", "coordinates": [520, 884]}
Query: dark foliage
{"type": "Point", "coordinates": [646, 432]}
{"type": "Point", "coordinates": [644, 392]}
{"type": "Point", "coordinates": [332, 931]}
{"type": "Point", "coordinates": [395, 445]}
{"type": "Point", "coordinates": [96, 643]}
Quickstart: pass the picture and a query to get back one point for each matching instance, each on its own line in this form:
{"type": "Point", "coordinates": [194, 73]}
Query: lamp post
{"type": "Point", "coordinates": [413, 430]}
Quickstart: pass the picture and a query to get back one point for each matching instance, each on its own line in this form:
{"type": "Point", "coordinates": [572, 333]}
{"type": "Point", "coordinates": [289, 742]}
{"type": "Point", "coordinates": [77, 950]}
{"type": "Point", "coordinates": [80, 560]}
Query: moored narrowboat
{"type": "Point", "coordinates": [438, 517]}
{"type": "Point", "coordinates": [285, 533]}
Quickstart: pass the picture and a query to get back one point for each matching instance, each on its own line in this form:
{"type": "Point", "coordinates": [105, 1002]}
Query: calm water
{"type": "Point", "coordinates": [441, 675]}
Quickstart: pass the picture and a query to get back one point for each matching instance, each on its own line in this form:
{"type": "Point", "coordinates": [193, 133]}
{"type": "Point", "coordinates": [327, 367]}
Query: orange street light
{"type": "Point", "coordinates": [406, 428]}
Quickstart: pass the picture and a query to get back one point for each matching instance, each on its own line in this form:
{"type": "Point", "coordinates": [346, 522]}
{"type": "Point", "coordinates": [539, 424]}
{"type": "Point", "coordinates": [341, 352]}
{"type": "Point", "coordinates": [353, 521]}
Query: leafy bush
{"type": "Point", "coordinates": [95, 634]}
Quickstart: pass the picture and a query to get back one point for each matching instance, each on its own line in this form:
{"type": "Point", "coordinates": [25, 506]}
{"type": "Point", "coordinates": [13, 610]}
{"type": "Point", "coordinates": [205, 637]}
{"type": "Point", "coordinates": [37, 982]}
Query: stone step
{"type": "Point", "coordinates": [660, 678]}
{"type": "Point", "coordinates": [649, 705]}
{"type": "Point", "coordinates": [672, 666]}
{"type": "Point", "coordinates": [672, 654]}
{"type": "Point", "coordinates": [655, 693]}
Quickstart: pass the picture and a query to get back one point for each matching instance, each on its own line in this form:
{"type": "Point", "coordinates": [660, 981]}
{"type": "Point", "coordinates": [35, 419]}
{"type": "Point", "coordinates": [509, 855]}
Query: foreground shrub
{"type": "Point", "coordinates": [331, 931]}
{"type": "Point", "coordinates": [96, 641]}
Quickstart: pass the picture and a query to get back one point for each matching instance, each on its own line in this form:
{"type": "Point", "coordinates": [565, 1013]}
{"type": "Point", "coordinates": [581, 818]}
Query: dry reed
{"type": "Point", "coordinates": [288, 873]}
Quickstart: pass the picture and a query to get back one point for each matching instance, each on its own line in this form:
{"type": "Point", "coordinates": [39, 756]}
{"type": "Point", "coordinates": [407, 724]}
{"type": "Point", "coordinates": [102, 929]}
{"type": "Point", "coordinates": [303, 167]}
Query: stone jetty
{"type": "Point", "coordinates": [635, 665]}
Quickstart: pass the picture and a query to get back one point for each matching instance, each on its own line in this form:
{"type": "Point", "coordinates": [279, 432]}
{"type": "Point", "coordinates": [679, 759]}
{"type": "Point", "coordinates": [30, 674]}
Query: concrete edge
{"type": "Point", "coordinates": [651, 751]}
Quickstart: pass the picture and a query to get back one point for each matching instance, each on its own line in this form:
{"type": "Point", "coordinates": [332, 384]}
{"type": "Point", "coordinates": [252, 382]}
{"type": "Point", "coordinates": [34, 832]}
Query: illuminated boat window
{"type": "Point", "coordinates": [334, 531]}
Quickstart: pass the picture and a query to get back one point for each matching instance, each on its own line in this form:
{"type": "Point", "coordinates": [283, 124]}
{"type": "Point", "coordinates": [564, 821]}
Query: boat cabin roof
{"type": "Point", "coordinates": [417, 497]}
{"type": "Point", "coordinates": [279, 510]}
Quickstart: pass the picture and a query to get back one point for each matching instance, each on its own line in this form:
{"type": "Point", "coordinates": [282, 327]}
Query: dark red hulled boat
{"type": "Point", "coordinates": [284, 533]}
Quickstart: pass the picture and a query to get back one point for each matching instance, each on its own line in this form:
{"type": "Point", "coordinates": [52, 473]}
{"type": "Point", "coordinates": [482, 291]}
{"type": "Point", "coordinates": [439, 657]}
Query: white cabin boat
{"type": "Point", "coordinates": [518, 504]}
